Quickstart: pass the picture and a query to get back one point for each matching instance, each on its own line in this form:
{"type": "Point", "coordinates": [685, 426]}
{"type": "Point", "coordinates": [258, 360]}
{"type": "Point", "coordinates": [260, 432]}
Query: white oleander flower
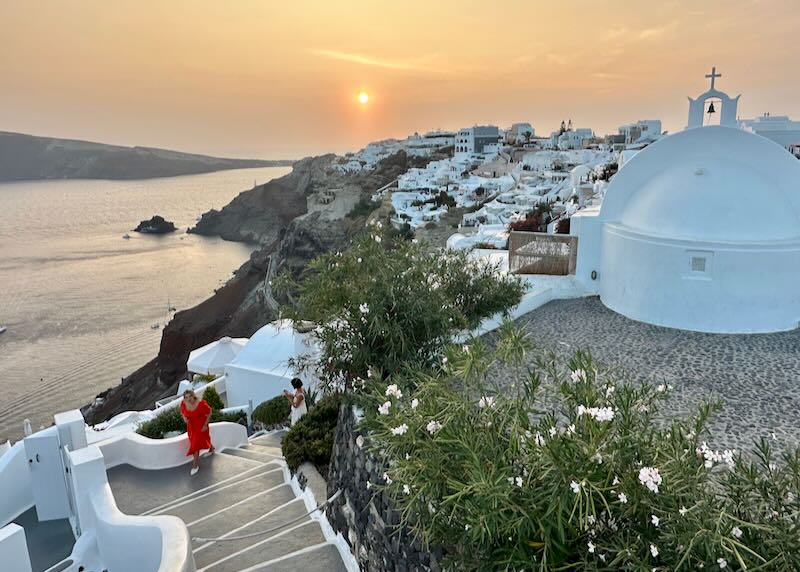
{"type": "Point", "coordinates": [407, 489]}
{"type": "Point", "coordinates": [401, 430]}
{"type": "Point", "coordinates": [538, 439]}
{"type": "Point", "coordinates": [364, 308]}
{"type": "Point", "coordinates": [577, 375]}
{"type": "Point", "coordinates": [655, 520]}
{"type": "Point", "coordinates": [378, 239]}
{"type": "Point", "coordinates": [576, 488]}
{"type": "Point", "coordinates": [736, 532]}
{"type": "Point", "coordinates": [650, 477]}
{"type": "Point", "coordinates": [653, 550]}
{"type": "Point", "coordinates": [683, 510]}
{"type": "Point", "coordinates": [722, 563]}
{"type": "Point", "coordinates": [384, 409]}
{"type": "Point", "coordinates": [591, 547]}
{"type": "Point", "coordinates": [433, 427]}
{"type": "Point", "coordinates": [623, 498]}
{"type": "Point", "coordinates": [552, 431]}
{"type": "Point", "coordinates": [369, 485]}
{"type": "Point", "coordinates": [394, 390]}
{"type": "Point", "coordinates": [359, 260]}
{"type": "Point", "coordinates": [486, 402]}
{"type": "Point", "coordinates": [387, 479]}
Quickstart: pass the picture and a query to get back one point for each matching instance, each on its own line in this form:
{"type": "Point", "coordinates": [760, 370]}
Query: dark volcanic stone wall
{"type": "Point", "coordinates": [365, 517]}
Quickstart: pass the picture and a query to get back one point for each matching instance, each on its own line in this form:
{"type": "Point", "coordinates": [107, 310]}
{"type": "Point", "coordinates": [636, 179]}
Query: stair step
{"type": "Point", "coordinates": [193, 508]}
{"type": "Point", "coordinates": [253, 455]}
{"type": "Point", "coordinates": [325, 558]}
{"type": "Point", "coordinates": [264, 448]}
{"type": "Point", "coordinates": [240, 554]}
{"type": "Point", "coordinates": [273, 439]}
{"type": "Point", "coordinates": [222, 522]}
{"type": "Point", "coordinates": [139, 491]}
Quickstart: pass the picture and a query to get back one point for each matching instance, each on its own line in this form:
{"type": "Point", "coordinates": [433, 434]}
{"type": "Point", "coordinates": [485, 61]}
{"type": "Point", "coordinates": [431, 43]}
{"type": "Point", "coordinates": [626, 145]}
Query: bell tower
{"type": "Point", "coordinates": [697, 106]}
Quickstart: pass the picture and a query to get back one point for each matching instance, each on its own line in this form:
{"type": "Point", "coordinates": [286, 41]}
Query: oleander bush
{"type": "Point", "coordinates": [211, 396]}
{"type": "Point", "coordinates": [273, 412]}
{"type": "Point", "coordinates": [311, 438]}
{"type": "Point", "coordinates": [387, 302]}
{"type": "Point", "coordinates": [569, 467]}
{"type": "Point", "coordinates": [166, 421]}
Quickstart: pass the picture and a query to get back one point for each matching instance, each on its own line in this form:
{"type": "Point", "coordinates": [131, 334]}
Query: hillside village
{"type": "Point", "coordinates": [500, 179]}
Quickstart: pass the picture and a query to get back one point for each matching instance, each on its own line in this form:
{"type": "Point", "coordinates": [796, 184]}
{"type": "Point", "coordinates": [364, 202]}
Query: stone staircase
{"type": "Point", "coordinates": [236, 493]}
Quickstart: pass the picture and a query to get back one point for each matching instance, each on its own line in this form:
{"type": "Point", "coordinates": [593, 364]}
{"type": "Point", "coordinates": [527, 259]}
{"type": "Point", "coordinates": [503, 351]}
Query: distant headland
{"type": "Point", "coordinates": [29, 157]}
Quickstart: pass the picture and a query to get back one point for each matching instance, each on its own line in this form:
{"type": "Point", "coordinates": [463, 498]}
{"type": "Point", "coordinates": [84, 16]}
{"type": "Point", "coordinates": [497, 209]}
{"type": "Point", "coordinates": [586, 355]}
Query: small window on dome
{"type": "Point", "coordinates": [699, 264]}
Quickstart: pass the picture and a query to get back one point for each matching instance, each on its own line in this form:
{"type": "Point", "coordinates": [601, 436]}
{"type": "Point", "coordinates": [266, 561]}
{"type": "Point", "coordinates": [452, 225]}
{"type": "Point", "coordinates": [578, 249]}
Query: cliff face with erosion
{"type": "Point", "coordinates": [291, 226]}
{"type": "Point", "coordinates": [27, 157]}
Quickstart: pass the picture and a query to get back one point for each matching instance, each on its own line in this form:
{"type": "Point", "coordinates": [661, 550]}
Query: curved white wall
{"type": "Point", "coordinates": [747, 287]}
{"type": "Point", "coordinates": [154, 454]}
{"type": "Point", "coordinates": [15, 483]}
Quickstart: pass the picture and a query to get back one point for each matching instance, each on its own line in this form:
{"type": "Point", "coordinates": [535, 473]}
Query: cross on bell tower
{"type": "Point", "coordinates": [728, 104]}
{"type": "Point", "coordinates": [713, 75]}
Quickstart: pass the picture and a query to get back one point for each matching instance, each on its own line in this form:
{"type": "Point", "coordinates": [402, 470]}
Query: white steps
{"type": "Point", "coordinates": [237, 492]}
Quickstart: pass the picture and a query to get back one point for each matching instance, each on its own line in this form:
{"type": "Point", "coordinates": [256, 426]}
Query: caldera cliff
{"type": "Point", "coordinates": [291, 219]}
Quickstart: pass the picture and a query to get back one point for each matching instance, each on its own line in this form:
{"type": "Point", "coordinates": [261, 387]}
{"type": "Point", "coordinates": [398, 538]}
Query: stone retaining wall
{"type": "Point", "coordinates": [364, 516]}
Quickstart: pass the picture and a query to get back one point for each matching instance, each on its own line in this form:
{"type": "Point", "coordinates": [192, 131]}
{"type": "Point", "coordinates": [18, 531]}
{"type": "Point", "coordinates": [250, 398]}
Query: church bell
{"type": "Point", "coordinates": [711, 108]}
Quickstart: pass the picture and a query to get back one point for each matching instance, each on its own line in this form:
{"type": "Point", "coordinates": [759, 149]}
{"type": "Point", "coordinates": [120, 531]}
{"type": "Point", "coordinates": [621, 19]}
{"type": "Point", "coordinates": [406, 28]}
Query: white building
{"type": "Point", "coordinates": [573, 139]}
{"type": "Point", "coordinates": [479, 139]}
{"type": "Point", "coordinates": [520, 133]}
{"type": "Point", "coordinates": [778, 128]}
{"type": "Point", "coordinates": [641, 131]}
{"type": "Point", "coordinates": [677, 243]}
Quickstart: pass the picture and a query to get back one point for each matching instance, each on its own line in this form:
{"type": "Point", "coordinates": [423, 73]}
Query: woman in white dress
{"type": "Point", "coordinates": [297, 399]}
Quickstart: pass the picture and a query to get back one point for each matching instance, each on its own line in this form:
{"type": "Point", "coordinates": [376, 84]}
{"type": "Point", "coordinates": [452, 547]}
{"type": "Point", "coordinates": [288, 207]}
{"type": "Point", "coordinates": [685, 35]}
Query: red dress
{"type": "Point", "coordinates": [198, 439]}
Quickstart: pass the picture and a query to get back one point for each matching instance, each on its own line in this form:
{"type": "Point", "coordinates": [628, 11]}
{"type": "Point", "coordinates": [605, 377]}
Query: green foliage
{"type": "Point", "coordinates": [205, 377]}
{"type": "Point", "coordinates": [385, 303]}
{"type": "Point", "coordinates": [572, 468]}
{"type": "Point", "coordinates": [273, 412]}
{"type": "Point", "coordinates": [311, 438]}
{"type": "Point", "coordinates": [363, 207]}
{"type": "Point", "coordinates": [239, 417]}
{"type": "Point", "coordinates": [211, 396]}
{"type": "Point", "coordinates": [165, 422]}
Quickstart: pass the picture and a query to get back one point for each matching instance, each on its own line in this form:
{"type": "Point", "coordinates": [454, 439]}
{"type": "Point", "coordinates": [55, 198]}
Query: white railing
{"type": "Point", "coordinates": [15, 483]}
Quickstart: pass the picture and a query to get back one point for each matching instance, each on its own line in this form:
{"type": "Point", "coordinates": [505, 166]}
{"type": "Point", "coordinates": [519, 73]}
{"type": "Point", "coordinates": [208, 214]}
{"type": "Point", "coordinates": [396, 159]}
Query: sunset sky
{"type": "Point", "coordinates": [259, 78]}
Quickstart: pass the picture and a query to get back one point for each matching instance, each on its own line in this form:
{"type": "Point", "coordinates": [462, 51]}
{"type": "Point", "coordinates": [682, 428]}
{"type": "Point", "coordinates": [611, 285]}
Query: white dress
{"type": "Point", "coordinates": [300, 410]}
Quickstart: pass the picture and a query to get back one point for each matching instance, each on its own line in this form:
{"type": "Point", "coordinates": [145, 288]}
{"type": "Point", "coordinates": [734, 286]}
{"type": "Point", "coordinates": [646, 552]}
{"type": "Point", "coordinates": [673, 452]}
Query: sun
{"type": "Point", "coordinates": [363, 97]}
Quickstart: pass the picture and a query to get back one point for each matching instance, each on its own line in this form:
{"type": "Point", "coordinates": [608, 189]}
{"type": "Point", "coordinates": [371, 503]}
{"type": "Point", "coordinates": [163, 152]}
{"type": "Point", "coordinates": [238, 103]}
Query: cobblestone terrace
{"type": "Point", "coordinates": [757, 377]}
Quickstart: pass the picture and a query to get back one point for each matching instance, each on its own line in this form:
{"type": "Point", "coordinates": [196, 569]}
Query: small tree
{"type": "Point", "coordinates": [387, 302]}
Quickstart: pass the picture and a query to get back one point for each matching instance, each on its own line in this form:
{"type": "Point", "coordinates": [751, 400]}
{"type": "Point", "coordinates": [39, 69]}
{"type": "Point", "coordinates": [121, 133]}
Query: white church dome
{"type": "Point", "coordinates": [714, 183]}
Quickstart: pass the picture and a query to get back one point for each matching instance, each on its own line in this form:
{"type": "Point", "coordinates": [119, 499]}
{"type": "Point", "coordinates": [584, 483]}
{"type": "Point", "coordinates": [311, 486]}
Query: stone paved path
{"type": "Point", "coordinates": [757, 377]}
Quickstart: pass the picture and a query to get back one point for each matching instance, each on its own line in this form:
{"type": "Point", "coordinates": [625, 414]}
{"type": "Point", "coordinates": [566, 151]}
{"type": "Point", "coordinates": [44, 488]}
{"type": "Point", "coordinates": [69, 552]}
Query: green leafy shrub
{"type": "Point", "coordinates": [273, 412]}
{"type": "Point", "coordinates": [239, 417]}
{"type": "Point", "coordinates": [311, 438]}
{"type": "Point", "coordinates": [205, 377]}
{"type": "Point", "coordinates": [572, 468]}
{"type": "Point", "coordinates": [363, 207]}
{"type": "Point", "coordinates": [385, 303]}
{"type": "Point", "coordinates": [211, 396]}
{"type": "Point", "coordinates": [165, 422]}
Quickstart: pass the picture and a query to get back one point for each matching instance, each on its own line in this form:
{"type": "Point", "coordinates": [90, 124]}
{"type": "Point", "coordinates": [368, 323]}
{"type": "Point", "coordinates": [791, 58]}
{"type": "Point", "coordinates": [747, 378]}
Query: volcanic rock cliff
{"type": "Point", "coordinates": [291, 225]}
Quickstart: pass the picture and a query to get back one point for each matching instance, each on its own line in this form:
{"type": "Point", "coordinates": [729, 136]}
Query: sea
{"type": "Point", "coordinates": [85, 307]}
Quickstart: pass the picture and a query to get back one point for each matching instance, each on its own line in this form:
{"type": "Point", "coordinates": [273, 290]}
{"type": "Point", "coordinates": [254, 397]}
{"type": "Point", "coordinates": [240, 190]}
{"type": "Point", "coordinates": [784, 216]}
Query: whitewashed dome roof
{"type": "Point", "coordinates": [717, 184]}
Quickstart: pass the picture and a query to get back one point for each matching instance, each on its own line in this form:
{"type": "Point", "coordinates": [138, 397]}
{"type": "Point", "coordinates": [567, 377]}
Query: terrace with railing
{"type": "Point", "coordinates": [542, 253]}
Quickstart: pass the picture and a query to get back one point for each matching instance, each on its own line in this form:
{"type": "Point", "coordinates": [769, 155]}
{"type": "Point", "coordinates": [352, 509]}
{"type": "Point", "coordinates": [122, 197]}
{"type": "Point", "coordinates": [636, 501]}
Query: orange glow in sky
{"type": "Point", "coordinates": [257, 78]}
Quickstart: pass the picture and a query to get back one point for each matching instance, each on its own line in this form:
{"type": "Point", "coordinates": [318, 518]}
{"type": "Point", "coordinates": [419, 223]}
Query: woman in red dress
{"type": "Point", "coordinates": [196, 413]}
